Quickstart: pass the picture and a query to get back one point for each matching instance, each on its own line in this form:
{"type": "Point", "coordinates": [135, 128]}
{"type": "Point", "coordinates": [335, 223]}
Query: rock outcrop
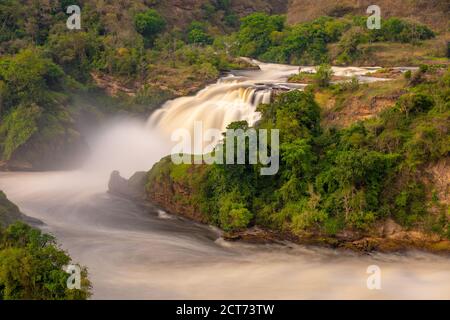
{"type": "Point", "coordinates": [133, 188]}
{"type": "Point", "coordinates": [10, 213]}
{"type": "Point", "coordinates": [175, 193]}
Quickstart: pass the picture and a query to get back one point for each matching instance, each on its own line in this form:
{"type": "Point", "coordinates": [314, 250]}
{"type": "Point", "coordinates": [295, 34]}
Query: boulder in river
{"type": "Point", "coordinates": [133, 188]}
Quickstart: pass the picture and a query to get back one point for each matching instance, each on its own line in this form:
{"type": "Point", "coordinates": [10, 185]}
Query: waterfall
{"type": "Point", "coordinates": [233, 98]}
{"type": "Point", "coordinates": [130, 146]}
{"type": "Point", "coordinates": [216, 107]}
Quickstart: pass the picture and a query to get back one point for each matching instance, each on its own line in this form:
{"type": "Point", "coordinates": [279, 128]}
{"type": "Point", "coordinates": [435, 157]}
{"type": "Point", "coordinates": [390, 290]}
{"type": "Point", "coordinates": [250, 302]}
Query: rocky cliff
{"type": "Point", "coordinates": [10, 213]}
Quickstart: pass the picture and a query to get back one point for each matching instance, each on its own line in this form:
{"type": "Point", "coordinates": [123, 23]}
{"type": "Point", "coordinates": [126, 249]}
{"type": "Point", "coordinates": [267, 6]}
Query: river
{"type": "Point", "coordinates": [135, 252]}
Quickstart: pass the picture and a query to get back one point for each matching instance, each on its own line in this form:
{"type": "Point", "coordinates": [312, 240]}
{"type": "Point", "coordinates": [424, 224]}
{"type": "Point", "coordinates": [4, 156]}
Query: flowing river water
{"type": "Point", "coordinates": [134, 252]}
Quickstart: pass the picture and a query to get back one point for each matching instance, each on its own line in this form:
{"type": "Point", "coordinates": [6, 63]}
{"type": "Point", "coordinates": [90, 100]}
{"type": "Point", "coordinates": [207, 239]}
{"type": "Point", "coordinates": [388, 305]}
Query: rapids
{"type": "Point", "coordinates": [136, 252]}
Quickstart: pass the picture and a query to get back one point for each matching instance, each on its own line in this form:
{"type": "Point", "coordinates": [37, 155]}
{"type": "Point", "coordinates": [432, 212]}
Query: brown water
{"type": "Point", "coordinates": [135, 252]}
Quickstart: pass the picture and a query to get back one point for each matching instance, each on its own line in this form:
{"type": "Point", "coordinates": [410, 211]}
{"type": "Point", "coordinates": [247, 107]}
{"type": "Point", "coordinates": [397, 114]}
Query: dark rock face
{"type": "Point", "coordinates": [63, 151]}
{"type": "Point", "coordinates": [10, 213]}
{"type": "Point", "coordinates": [176, 196]}
{"type": "Point", "coordinates": [134, 188]}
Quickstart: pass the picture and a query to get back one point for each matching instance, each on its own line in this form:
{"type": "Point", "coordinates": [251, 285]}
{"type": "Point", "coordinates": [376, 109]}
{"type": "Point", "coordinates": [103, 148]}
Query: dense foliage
{"type": "Point", "coordinates": [32, 101]}
{"type": "Point", "coordinates": [49, 75]}
{"type": "Point", "coordinates": [269, 38]}
{"type": "Point", "coordinates": [32, 267]}
{"type": "Point", "coordinates": [149, 24]}
{"type": "Point", "coordinates": [334, 179]}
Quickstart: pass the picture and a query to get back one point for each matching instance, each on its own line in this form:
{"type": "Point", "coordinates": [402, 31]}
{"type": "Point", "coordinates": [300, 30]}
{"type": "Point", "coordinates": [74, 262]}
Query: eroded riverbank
{"type": "Point", "coordinates": [134, 253]}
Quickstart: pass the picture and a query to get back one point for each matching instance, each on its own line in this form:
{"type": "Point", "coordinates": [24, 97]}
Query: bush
{"type": "Point", "coordinates": [197, 34]}
{"type": "Point", "coordinates": [305, 217]}
{"type": "Point", "coordinates": [32, 267]}
{"type": "Point", "coordinates": [76, 52]}
{"type": "Point", "coordinates": [349, 45]}
{"type": "Point", "coordinates": [29, 77]}
{"type": "Point", "coordinates": [149, 24]}
{"type": "Point", "coordinates": [231, 20]}
{"type": "Point", "coordinates": [398, 30]}
{"type": "Point", "coordinates": [349, 86]}
{"type": "Point", "coordinates": [408, 75]}
{"type": "Point", "coordinates": [415, 103]}
{"type": "Point", "coordinates": [18, 126]}
{"type": "Point", "coordinates": [255, 31]}
{"type": "Point", "coordinates": [324, 75]}
{"type": "Point", "coordinates": [233, 214]}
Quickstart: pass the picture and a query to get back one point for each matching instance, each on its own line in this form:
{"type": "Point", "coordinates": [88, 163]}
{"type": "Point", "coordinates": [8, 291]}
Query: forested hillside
{"type": "Point", "coordinates": [32, 263]}
{"type": "Point", "coordinates": [341, 172]}
{"type": "Point", "coordinates": [381, 183]}
{"type": "Point", "coordinates": [127, 57]}
{"type": "Point", "coordinates": [131, 56]}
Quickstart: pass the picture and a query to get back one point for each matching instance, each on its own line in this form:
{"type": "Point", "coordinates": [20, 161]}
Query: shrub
{"type": "Point", "coordinates": [18, 126]}
{"type": "Point", "coordinates": [398, 30]}
{"type": "Point", "coordinates": [255, 31]}
{"type": "Point", "coordinates": [323, 76]}
{"type": "Point", "coordinates": [348, 44]}
{"type": "Point", "coordinates": [149, 24]}
{"type": "Point", "coordinates": [408, 75]}
{"type": "Point", "coordinates": [32, 267]}
{"type": "Point", "coordinates": [415, 103]}
{"type": "Point", "coordinates": [197, 34]}
{"type": "Point", "coordinates": [233, 214]}
{"type": "Point", "coordinates": [75, 52]}
{"type": "Point", "coordinates": [29, 77]}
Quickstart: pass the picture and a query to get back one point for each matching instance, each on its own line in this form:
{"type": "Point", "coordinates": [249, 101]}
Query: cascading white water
{"type": "Point", "coordinates": [132, 253]}
{"type": "Point", "coordinates": [232, 98]}
{"type": "Point", "coordinates": [216, 106]}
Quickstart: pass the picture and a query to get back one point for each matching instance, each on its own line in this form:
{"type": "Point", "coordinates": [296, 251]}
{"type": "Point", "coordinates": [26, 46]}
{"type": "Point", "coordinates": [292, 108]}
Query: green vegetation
{"type": "Point", "coordinates": [197, 34]}
{"type": "Point", "coordinates": [31, 267]}
{"type": "Point", "coordinates": [323, 76]}
{"type": "Point", "coordinates": [333, 179]}
{"type": "Point", "coordinates": [268, 38]}
{"type": "Point", "coordinates": [31, 263]}
{"type": "Point", "coordinates": [256, 33]}
{"type": "Point", "coordinates": [50, 76]}
{"type": "Point", "coordinates": [32, 101]}
{"type": "Point", "coordinates": [149, 24]}
{"type": "Point", "coordinates": [131, 57]}
{"type": "Point", "coordinates": [9, 212]}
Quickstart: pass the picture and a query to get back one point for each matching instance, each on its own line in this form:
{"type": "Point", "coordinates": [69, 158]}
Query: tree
{"type": "Point", "coordinates": [149, 23]}
{"type": "Point", "coordinates": [233, 213]}
{"type": "Point", "coordinates": [255, 31]}
{"type": "Point", "coordinates": [32, 267]}
{"type": "Point", "coordinates": [323, 75]}
{"type": "Point", "coordinates": [197, 34]}
{"type": "Point", "coordinates": [29, 77]}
